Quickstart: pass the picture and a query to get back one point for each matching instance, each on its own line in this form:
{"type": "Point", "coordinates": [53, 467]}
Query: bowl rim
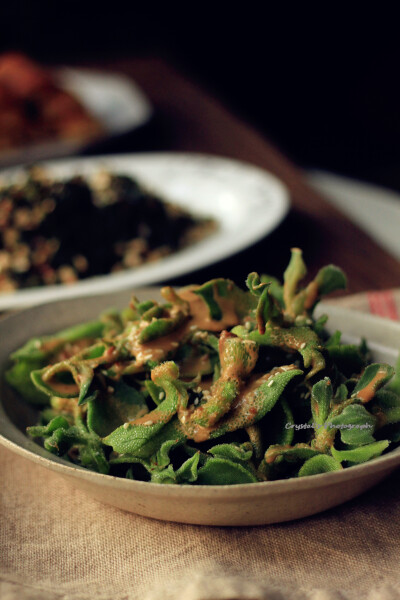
{"type": "Point", "coordinates": [36, 453]}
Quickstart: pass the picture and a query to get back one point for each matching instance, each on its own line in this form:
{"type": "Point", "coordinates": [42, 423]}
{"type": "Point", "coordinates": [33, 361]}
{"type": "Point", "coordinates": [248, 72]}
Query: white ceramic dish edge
{"type": "Point", "coordinates": [116, 101]}
{"type": "Point", "coordinates": [249, 504]}
{"type": "Point", "coordinates": [183, 179]}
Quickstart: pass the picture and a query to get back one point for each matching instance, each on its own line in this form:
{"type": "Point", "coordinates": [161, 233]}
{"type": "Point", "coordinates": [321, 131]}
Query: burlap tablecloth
{"type": "Point", "coordinates": [57, 543]}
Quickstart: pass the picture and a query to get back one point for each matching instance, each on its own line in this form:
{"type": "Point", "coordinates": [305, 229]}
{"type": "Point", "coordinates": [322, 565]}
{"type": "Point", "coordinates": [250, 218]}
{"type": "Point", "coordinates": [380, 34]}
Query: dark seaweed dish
{"type": "Point", "coordinates": [54, 231]}
{"type": "Point", "coordinates": [213, 385]}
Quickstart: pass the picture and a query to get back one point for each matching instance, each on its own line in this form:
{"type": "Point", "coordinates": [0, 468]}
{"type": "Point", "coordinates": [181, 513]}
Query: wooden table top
{"type": "Point", "coordinates": [189, 119]}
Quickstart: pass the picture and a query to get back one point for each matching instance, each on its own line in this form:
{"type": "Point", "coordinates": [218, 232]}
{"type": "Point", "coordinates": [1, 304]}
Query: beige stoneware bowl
{"type": "Point", "coordinates": [247, 504]}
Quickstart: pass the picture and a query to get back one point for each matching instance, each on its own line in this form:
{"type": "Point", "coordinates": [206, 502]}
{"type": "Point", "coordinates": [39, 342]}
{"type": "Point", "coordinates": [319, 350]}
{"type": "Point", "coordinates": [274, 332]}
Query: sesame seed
{"type": "Point", "coordinates": [196, 401]}
{"type": "Point", "coordinates": [148, 423]}
{"type": "Point", "coordinates": [126, 425]}
{"type": "Point", "coordinates": [198, 390]}
{"type": "Point", "coordinates": [161, 396]}
{"type": "Point", "coordinates": [270, 383]}
{"type": "Point", "coordinates": [303, 345]}
{"type": "Point", "coordinates": [247, 325]}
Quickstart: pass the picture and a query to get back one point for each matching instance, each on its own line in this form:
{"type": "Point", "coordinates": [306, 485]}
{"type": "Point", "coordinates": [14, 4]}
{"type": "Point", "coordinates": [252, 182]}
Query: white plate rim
{"type": "Point", "coordinates": [137, 113]}
{"type": "Point", "coordinates": [196, 256]}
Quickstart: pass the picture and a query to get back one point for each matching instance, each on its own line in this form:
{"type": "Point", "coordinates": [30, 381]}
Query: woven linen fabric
{"type": "Point", "coordinates": [58, 543]}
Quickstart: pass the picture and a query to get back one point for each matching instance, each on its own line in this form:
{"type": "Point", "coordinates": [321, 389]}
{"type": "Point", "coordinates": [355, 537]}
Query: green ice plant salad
{"type": "Point", "coordinates": [213, 385]}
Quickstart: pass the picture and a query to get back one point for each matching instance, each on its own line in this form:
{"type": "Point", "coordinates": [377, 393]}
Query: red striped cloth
{"type": "Point", "coordinates": [384, 303]}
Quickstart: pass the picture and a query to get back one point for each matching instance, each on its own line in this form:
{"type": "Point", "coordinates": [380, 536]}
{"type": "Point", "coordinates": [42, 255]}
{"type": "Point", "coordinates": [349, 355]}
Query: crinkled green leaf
{"type": "Point", "coordinates": [43, 347]}
{"type": "Point", "coordinates": [160, 327]}
{"type": "Point", "coordinates": [220, 471]}
{"type": "Point", "coordinates": [19, 377]}
{"type": "Point", "coordinates": [330, 279]}
{"type": "Point", "coordinates": [319, 464]}
{"type": "Point", "coordinates": [238, 358]}
{"type": "Point", "coordinates": [321, 397]}
{"type": "Point", "coordinates": [256, 440]}
{"type": "Point", "coordinates": [60, 437]}
{"type": "Point", "coordinates": [162, 459]}
{"type": "Point", "coordinates": [342, 393]}
{"type": "Point", "coordinates": [59, 422]}
{"type": "Point", "coordinates": [156, 392]}
{"type": "Point", "coordinates": [232, 452]}
{"type": "Point", "coordinates": [387, 404]}
{"type": "Point", "coordinates": [356, 425]}
{"type": "Point", "coordinates": [290, 339]}
{"type": "Point", "coordinates": [275, 288]}
{"type": "Point", "coordinates": [211, 291]}
{"type": "Point", "coordinates": [164, 475]}
{"type": "Point", "coordinates": [319, 325]}
{"type": "Point", "coordinates": [266, 309]}
{"type": "Point", "coordinates": [188, 471]}
{"type": "Point", "coordinates": [257, 404]}
{"type": "Point", "coordinates": [295, 272]}
{"type": "Point", "coordinates": [374, 377]}
{"type": "Point", "coordinates": [298, 452]}
{"type": "Point", "coordinates": [129, 438]}
{"type": "Point", "coordinates": [82, 374]}
{"type": "Point", "coordinates": [110, 410]}
{"type": "Point", "coordinates": [394, 385]}
{"type": "Point", "coordinates": [361, 454]}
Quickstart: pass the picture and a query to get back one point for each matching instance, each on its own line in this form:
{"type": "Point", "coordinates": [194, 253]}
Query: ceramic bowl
{"type": "Point", "coordinates": [247, 504]}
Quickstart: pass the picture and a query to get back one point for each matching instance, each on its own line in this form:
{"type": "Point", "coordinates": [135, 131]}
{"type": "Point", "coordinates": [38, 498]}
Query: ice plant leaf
{"type": "Point", "coordinates": [220, 471]}
{"type": "Point", "coordinates": [356, 425]}
{"type": "Point", "coordinates": [290, 453]}
{"type": "Point", "coordinates": [130, 437]}
{"type": "Point", "coordinates": [232, 452]}
{"type": "Point", "coordinates": [256, 401]}
{"type": "Point", "coordinates": [319, 464]}
{"type": "Point", "coordinates": [361, 454]}
{"type": "Point", "coordinates": [321, 396]}
{"type": "Point", "coordinates": [218, 294]}
{"type": "Point", "coordinates": [188, 471]}
{"type": "Point", "coordinates": [295, 272]}
{"type": "Point", "coordinates": [266, 309]}
{"type": "Point", "coordinates": [120, 404]}
{"type": "Point", "coordinates": [329, 279]}
{"type": "Point", "coordinates": [374, 377]}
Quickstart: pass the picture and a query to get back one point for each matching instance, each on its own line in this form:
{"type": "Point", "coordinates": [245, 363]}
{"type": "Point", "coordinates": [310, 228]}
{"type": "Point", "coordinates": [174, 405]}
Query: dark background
{"type": "Point", "coordinates": [323, 86]}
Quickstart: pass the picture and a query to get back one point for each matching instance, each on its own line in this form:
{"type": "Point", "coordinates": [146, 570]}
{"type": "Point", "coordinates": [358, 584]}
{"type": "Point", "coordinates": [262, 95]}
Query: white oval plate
{"type": "Point", "coordinates": [247, 203]}
{"type": "Point", "coordinates": [246, 504]}
{"type": "Point", "coordinates": [113, 99]}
